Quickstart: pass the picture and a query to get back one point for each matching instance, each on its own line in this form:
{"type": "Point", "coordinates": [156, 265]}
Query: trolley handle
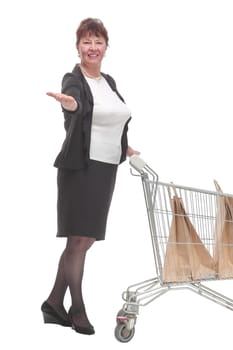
{"type": "Point", "coordinates": [149, 177]}
{"type": "Point", "coordinates": [142, 168]}
{"type": "Point", "coordinates": [137, 163]}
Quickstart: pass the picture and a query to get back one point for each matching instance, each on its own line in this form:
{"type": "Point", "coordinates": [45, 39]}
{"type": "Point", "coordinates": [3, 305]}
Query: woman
{"type": "Point", "coordinates": [96, 123]}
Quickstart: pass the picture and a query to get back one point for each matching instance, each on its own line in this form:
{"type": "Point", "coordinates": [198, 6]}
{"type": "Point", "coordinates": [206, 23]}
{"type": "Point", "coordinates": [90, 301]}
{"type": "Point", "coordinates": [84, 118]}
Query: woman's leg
{"type": "Point", "coordinates": [57, 295]}
{"type": "Point", "coordinates": [74, 259]}
{"type": "Point", "coordinates": [70, 273]}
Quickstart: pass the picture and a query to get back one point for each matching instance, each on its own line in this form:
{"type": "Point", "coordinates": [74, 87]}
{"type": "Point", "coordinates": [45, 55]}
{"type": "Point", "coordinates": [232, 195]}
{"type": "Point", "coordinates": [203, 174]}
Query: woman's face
{"type": "Point", "coordinates": [91, 49]}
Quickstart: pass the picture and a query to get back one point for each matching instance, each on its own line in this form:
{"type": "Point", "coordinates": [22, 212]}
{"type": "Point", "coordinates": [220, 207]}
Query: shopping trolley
{"type": "Point", "coordinates": [200, 216]}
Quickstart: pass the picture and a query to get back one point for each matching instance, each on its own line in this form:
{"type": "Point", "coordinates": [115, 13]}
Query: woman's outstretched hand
{"type": "Point", "coordinates": [67, 102]}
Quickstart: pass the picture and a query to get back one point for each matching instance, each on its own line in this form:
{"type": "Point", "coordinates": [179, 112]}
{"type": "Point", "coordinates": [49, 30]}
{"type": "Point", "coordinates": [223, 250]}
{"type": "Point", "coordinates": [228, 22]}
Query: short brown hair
{"type": "Point", "coordinates": [91, 26]}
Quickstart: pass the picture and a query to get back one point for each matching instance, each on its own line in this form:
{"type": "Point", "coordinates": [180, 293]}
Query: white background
{"type": "Point", "coordinates": [172, 60]}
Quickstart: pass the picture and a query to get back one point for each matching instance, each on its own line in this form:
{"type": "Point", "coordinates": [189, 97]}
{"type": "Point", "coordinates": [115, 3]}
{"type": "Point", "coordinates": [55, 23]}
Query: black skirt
{"type": "Point", "coordinates": [84, 198]}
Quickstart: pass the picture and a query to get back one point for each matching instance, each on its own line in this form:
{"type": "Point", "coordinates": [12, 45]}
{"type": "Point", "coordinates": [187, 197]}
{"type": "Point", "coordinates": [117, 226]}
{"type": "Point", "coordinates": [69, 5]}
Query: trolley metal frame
{"type": "Point", "coordinates": [143, 293]}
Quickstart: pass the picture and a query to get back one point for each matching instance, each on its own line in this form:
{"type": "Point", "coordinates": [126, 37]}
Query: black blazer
{"type": "Point", "coordinates": [74, 153]}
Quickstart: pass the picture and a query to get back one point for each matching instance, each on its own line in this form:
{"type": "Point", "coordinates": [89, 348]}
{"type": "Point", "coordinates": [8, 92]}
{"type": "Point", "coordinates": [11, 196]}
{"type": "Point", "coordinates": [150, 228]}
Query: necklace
{"type": "Point", "coordinates": [89, 75]}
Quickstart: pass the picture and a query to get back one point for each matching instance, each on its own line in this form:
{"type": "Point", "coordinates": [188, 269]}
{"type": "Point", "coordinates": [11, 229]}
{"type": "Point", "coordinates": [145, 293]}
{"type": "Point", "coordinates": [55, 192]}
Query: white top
{"type": "Point", "coordinates": [109, 117]}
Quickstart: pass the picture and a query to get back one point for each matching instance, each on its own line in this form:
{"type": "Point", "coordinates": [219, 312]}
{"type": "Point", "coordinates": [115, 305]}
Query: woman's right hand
{"type": "Point", "coordinates": [67, 102]}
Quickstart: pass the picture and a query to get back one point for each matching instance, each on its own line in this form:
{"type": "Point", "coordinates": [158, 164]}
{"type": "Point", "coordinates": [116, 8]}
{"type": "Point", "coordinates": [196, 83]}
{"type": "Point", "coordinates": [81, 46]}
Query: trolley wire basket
{"type": "Point", "coordinates": [192, 239]}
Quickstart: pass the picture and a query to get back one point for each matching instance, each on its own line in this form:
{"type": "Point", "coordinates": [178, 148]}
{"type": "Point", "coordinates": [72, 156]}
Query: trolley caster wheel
{"type": "Point", "coordinates": [123, 334]}
{"type": "Point", "coordinates": [121, 315]}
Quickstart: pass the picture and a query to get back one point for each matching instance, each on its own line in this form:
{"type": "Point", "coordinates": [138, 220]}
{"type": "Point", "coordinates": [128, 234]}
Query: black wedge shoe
{"type": "Point", "coordinates": [83, 330]}
{"type": "Point", "coordinates": [51, 316]}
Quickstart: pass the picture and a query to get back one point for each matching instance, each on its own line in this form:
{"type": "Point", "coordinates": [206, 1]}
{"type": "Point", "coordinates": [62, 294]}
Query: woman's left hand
{"type": "Point", "coordinates": [131, 152]}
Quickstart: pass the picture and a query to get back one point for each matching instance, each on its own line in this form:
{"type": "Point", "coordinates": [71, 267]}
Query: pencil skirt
{"type": "Point", "coordinates": [84, 198]}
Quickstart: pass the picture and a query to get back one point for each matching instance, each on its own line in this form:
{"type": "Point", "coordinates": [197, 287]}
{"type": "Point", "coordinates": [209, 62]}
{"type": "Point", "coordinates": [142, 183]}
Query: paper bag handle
{"type": "Point", "coordinates": [218, 188]}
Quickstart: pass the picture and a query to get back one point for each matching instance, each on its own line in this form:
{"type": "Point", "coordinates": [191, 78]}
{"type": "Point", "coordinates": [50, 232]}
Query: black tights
{"type": "Point", "coordinates": [70, 274]}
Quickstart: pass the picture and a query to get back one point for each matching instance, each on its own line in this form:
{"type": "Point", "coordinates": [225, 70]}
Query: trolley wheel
{"type": "Point", "coordinates": [120, 314]}
{"type": "Point", "coordinates": [123, 334]}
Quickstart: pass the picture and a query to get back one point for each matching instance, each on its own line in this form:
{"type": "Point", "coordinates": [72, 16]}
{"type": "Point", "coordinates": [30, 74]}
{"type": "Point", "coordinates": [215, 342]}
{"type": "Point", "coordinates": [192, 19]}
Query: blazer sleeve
{"type": "Point", "coordinates": [72, 87]}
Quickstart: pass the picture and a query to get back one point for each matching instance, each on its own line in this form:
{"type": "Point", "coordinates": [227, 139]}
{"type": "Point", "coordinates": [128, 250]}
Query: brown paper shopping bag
{"type": "Point", "coordinates": [223, 244]}
{"type": "Point", "coordinates": [186, 256]}
{"type": "Point", "coordinates": [176, 264]}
